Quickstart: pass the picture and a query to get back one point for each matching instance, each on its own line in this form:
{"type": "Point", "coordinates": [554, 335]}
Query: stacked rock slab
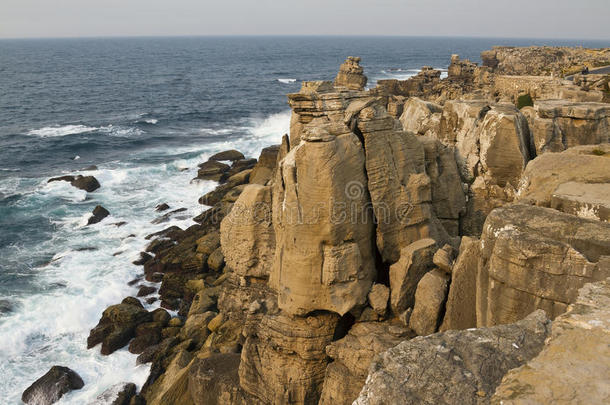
{"type": "Point", "coordinates": [556, 125]}
{"type": "Point", "coordinates": [537, 258]}
{"type": "Point", "coordinates": [574, 365]}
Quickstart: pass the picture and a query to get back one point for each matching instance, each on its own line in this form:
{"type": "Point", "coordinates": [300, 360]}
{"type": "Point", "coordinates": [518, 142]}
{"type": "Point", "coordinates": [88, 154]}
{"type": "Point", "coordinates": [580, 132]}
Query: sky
{"type": "Point", "coordinates": [564, 19]}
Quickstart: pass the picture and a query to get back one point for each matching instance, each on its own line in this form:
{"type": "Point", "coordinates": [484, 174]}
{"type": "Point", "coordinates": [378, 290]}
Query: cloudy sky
{"type": "Point", "coordinates": [586, 19]}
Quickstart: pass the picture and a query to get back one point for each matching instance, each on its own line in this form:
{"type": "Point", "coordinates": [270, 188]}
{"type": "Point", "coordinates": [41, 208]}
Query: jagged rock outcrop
{"type": "Point", "coordinates": [574, 364]}
{"type": "Point", "coordinates": [87, 183]}
{"type": "Point", "coordinates": [351, 75]}
{"type": "Point", "coordinates": [324, 249]}
{"type": "Point", "coordinates": [537, 258]}
{"type": "Point", "coordinates": [556, 125]}
{"type": "Point", "coordinates": [263, 170]}
{"type": "Point", "coordinates": [452, 367]}
{"type": "Point", "coordinates": [352, 356]}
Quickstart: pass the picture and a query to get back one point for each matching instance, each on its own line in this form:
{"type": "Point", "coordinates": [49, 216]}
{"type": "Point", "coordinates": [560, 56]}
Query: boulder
{"type": "Point", "coordinates": [574, 365]}
{"type": "Point", "coordinates": [454, 367]}
{"type": "Point", "coordinates": [213, 170]}
{"type": "Point", "coordinates": [415, 261]}
{"type": "Point", "coordinates": [216, 260]}
{"type": "Point", "coordinates": [247, 235]}
{"type": "Point", "coordinates": [118, 325]}
{"type": "Point", "coordinates": [352, 356]}
{"type": "Point", "coordinates": [351, 75]}
{"type": "Point", "coordinates": [536, 258]}
{"type": "Point", "coordinates": [443, 258]}
{"type": "Point", "coordinates": [146, 290]}
{"type": "Point", "coordinates": [460, 310]}
{"type": "Point", "coordinates": [98, 214]}
{"type": "Point", "coordinates": [421, 117]}
{"type": "Point", "coordinates": [161, 207]}
{"type": "Point", "coordinates": [118, 394]}
{"type": "Point", "coordinates": [87, 183]}
{"type": "Point", "coordinates": [49, 388]}
{"type": "Point", "coordinates": [378, 298]}
{"type": "Point", "coordinates": [429, 302]}
{"type": "Point", "coordinates": [232, 155]}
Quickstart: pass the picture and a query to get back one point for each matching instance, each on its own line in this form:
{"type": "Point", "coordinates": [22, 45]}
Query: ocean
{"type": "Point", "coordinates": [145, 111]}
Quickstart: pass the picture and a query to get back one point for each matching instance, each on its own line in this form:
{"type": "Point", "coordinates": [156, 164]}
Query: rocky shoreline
{"type": "Point", "coordinates": [442, 229]}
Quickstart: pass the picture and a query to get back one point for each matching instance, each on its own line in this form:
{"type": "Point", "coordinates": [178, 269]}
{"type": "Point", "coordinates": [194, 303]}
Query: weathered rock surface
{"type": "Point", "coordinates": [574, 365]}
{"type": "Point", "coordinates": [263, 170]}
{"type": "Point", "coordinates": [460, 310]}
{"type": "Point", "coordinates": [452, 367]}
{"type": "Point", "coordinates": [352, 356]}
{"type": "Point", "coordinates": [247, 234]}
{"type": "Point", "coordinates": [586, 165]}
{"type": "Point", "coordinates": [351, 75]}
{"type": "Point", "coordinates": [215, 381]}
{"type": "Point", "coordinates": [283, 359]}
{"type": "Point", "coordinates": [232, 155]}
{"type": "Point", "coordinates": [537, 258]}
{"type": "Point", "coordinates": [49, 388]}
{"type": "Point", "coordinates": [415, 261]}
{"type": "Point", "coordinates": [430, 299]}
{"type": "Point", "coordinates": [421, 117]}
{"type": "Point", "coordinates": [556, 125]}
{"type": "Point", "coordinates": [324, 252]}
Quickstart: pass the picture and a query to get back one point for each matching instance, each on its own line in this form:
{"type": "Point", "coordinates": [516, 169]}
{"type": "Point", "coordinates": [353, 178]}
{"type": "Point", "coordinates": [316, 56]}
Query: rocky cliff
{"type": "Point", "coordinates": [353, 261]}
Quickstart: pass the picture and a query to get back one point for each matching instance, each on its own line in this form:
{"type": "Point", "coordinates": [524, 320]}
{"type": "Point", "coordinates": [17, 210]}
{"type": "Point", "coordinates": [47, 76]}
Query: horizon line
{"type": "Point", "coordinates": [119, 36]}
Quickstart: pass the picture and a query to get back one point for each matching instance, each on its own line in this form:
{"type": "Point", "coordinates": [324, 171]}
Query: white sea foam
{"type": "Point", "coordinates": [53, 131]}
{"type": "Point", "coordinates": [151, 121]}
{"type": "Point", "coordinates": [287, 81]}
{"type": "Point", "coordinates": [85, 276]}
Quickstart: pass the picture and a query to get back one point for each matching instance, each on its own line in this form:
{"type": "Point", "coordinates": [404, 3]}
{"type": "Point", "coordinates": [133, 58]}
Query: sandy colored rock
{"type": "Point", "coordinates": [574, 365]}
{"type": "Point", "coordinates": [536, 258]}
{"type": "Point", "coordinates": [421, 117]}
{"type": "Point", "coordinates": [460, 310]}
{"type": "Point", "coordinates": [443, 258]}
{"type": "Point", "coordinates": [378, 298]}
{"type": "Point", "coordinates": [584, 200]}
{"type": "Point", "coordinates": [263, 170]}
{"type": "Point", "coordinates": [582, 164]}
{"type": "Point", "coordinates": [429, 302]}
{"type": "Point", "coordinates": [247, 235]}
{"type": "Point", "coordinates": [323, 257]}
{"type": "Point", "coordinates": [283, 359]}
{"type": "Point", "coordinates": [454, 367]}
{"type": "Point", "coordinates": [352, 356]}
{"type": "Point", "coordinates": [415, 261]}
{"type": "Point", "coordinates": [351, 75]}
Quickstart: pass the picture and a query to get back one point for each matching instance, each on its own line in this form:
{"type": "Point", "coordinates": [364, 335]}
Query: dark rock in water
{"type": "Point", "coordinates": [173, 232]}
{"type": "Point", "coordinates": [52, 386]}
{"type": "Point", "coordinates": [85, 249]}
{"type": "Point", "coordinates": [90, 168]}
{"type": "Point", "coordinates": [118, 253]}
{"type": "Point", "coordinates": [117, 325]}
{"type": "Point", "coordinates": [147, 334]}
{"type": "Point", "coordinates": [212, 170]}
{"type": "Point", "coordinates": [144, 257]}
{"type": "Point", "coordinates": [146, 290]}
{"type": "Point", "coordinates": [158, 245]}
{"type": "Point", "coordinates": [161, 207]}
{"type": "Point", "coordinates": [6, 307]}
{"type": "Point", "coordinates": [87, 183]}
{"type": "Point", "coordinates": [166, 217]}
{"type": "Point", "coordinates": [99, 213]}
{"type": "Point", "coordinates": [151, 300]}
{"type": "Point", "coordinates": [135, 281]}
{"type": "Point", "coordinates": [232, 155]}
{"type": "Point", "coordinates": [119, 224]}
{"type": "Point", "coordinates": [119, 394]}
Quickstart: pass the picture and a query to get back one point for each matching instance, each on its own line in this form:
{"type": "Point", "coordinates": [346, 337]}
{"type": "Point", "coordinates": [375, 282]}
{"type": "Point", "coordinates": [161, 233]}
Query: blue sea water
{"type": "Point", "coordinates": [145, 111]}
